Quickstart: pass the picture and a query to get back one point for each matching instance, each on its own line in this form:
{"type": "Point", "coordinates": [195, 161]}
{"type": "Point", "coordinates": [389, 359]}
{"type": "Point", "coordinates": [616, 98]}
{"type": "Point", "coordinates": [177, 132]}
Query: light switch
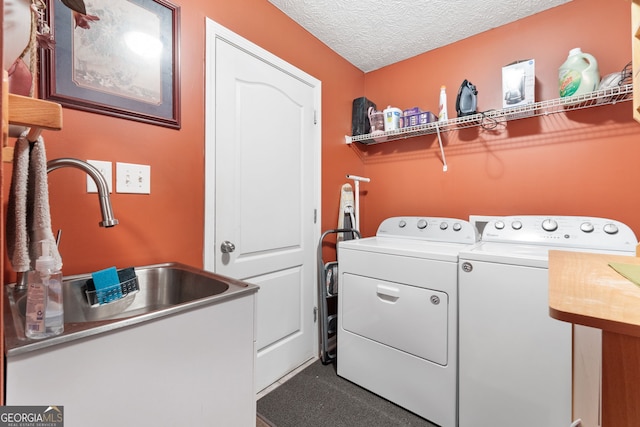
{"type": "Point", "coordinates": [106, 169]}
{"type": "Point", "coordinates": [132, 178]}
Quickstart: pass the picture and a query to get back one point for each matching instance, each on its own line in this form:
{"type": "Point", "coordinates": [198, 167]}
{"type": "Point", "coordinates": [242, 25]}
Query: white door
{"type": "Point", "coordinates": [262, 196]}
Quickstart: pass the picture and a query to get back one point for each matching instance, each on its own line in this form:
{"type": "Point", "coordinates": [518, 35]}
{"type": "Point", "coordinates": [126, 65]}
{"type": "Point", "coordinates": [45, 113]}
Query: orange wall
{"type": "Point", "coordinates": [168, 224]}
{"type": "Point", "coordinates": [584, 163]}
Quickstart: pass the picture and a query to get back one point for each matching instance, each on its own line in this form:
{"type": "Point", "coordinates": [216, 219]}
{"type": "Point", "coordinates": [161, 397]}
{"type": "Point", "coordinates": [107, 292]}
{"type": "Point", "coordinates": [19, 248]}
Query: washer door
{"type": "Point", "coordinates": [514, 359]}
{"type": "Point", "coordinates": [408, 318]}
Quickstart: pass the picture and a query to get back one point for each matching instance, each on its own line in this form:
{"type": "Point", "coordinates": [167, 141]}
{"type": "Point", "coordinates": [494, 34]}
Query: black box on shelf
{"type": "Point", "coordinates": [360, 116]}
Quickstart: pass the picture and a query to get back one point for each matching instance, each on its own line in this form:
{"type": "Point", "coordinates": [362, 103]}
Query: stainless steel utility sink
{"type": "Point", "coordinates": [164, 289]}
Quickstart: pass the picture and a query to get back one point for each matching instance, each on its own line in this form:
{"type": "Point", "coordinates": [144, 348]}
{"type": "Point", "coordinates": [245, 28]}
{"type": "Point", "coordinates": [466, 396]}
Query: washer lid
{"type": "Point", "coordinates": [520, 254]}
{"type": "Point", "coordinates": [440, 251]}
{"type": "Point", "coordinates": [505, 253]}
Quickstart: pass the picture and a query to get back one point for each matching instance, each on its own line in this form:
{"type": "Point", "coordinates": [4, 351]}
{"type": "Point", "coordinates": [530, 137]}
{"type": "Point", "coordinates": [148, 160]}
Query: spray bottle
{"type": "Point", "coordinates": [442, 110]}
{"type": "Point", "coordinates": [45, 312]}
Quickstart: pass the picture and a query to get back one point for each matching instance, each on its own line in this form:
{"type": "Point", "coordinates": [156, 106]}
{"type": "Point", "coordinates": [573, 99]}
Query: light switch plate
{"type": "Point", "coordinates": [106, 169]}
{"type": "Point", "coordinates": [132, 178]}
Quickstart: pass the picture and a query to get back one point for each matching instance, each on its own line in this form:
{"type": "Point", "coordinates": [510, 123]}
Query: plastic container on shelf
{"type": "Point", "coordinates": [579, 74]}
{"type": "Point", "coordinates": [392, 118]}
{"type": "Point", "coordinates": [416, 117]}
{"type": "Point", "coordinates": [376, 120]}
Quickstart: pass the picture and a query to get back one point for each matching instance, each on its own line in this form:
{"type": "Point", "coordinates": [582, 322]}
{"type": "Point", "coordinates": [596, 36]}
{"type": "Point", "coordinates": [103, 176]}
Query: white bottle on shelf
{"type": "Point", "coordinates": [442, 111]}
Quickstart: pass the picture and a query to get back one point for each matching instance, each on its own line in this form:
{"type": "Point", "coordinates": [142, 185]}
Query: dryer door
{"type": "Point", "coordinates": [408, 318]}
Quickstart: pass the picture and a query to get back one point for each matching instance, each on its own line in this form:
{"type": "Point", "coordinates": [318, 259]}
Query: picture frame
{"type": "Point", "coordinates": [126, 64]}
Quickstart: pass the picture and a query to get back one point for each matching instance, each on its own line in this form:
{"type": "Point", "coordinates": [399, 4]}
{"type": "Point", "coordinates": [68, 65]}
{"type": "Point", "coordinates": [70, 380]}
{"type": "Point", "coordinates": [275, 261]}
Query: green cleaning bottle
{"type": "Point", "coordinates": [579, 74]}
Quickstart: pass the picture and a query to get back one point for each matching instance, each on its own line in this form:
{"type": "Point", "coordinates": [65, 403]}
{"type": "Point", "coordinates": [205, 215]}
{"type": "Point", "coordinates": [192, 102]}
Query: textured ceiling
{"type": "Point", "coordinates": [371, 34]}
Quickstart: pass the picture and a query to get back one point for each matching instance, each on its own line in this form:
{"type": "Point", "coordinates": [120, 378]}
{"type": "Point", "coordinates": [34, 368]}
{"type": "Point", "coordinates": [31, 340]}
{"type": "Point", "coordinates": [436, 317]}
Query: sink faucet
{"type": "Point", "coordinates": [103, 189]}
{"type": "Point", "coordinates": [103, 196]}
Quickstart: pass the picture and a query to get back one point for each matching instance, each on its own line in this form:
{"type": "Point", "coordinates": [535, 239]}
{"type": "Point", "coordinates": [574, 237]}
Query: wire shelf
{"type": "Point", "coordinates": [597, 98]}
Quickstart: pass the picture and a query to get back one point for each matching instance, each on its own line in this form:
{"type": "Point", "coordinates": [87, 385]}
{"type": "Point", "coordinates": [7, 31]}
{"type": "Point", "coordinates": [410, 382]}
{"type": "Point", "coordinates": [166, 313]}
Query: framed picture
{"type": "Point", "coordinates": [127, 64]}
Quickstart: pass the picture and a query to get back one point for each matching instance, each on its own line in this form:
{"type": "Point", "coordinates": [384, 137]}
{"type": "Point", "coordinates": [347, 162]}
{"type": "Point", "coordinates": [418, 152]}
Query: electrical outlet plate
{"type": "Point", "coordinates": [106, 169]}
{"type": "Point", "coordinates": [132, 178]}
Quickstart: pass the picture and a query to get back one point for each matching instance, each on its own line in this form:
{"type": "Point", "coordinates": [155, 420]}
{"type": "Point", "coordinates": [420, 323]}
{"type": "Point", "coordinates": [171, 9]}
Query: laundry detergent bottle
{"type": "Point", "coordinates": [579, 74]}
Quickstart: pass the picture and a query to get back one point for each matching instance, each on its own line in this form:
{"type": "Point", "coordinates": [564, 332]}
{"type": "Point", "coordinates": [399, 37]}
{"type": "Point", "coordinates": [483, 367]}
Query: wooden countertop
{"type": "Point", "coordinates": [583, 289]}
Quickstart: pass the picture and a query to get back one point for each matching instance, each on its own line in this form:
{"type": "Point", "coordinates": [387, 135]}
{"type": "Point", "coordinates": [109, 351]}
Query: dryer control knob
{"type": "Point", "coordinates": [422, 224]}
{"type": "Point", "coordinates": [516, 225]}
{"type": "Point", "coordinates": [610, 228]}
{"type": "Point", "coordinates": [549, 225]}
{"type": "Point", "coordinates": [587, 227]}
{"type": "Point", "coordinates": [444, 226]}
{"type": "Point", "coordinates": [499, 225]}
{"type": "Point", "coordinates": [457, 226]}
{"type": "Point", "coordinates": [402, 223]}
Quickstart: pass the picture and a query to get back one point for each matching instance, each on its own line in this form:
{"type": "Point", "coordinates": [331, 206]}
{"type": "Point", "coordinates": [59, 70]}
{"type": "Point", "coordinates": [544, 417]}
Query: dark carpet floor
{"type": "Point", "coordinates": [318, 397]}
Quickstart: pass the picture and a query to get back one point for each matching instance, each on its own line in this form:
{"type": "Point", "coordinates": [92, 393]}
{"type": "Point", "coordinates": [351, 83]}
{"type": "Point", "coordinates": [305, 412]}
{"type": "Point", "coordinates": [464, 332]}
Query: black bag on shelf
{"type": "Point", "coordinates": [360, 116]}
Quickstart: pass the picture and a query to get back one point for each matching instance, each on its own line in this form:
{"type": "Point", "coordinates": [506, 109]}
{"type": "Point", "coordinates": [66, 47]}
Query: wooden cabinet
{"type": "Point", "coordinates": [585, 290]}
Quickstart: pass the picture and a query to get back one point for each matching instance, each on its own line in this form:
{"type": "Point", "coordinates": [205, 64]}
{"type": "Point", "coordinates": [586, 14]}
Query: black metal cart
{"type": "Point", "coordinates": [327, 298]}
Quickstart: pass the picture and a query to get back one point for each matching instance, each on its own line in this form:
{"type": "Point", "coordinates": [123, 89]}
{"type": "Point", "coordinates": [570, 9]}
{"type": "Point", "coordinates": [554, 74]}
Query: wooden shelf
{"type": "Point", "coordinates": [33, 112]}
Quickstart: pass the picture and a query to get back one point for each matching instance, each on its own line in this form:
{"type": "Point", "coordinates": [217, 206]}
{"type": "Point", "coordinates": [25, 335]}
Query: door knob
{"type": "Point", "coordinates": [227, 247]}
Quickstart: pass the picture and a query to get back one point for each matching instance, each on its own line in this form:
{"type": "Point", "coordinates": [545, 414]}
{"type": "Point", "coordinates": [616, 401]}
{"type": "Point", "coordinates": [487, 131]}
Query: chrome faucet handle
{"type": "Point", "coordinates": [22, 281]}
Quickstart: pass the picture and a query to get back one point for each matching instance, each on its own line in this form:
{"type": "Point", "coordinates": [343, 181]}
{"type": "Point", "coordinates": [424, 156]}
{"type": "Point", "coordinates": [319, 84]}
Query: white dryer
{"type": "Point", "coordinates": [397, 313]}
{"type": "Point", "coordinates": [515, 361]}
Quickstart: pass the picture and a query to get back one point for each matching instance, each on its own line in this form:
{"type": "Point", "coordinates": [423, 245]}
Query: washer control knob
{"type": "Point", "coordinates": [444, 225]}
{"type": "Point", "coordinates": [499, 225]}
{"type": "Point", "coordinates": [587, 227]}
{"type": "Point", "coordinates": [457, 226]}
{"type": "Point", "coordinates": [610, 228]}
{"type": "Point", "coordinates": [402, 223]}
{"type": "Point", "coordinates": [422, 224]}
{"type": "Point", "coordinates": [549, 225]}
{"type": "Point", "coordinates": [516, 225]}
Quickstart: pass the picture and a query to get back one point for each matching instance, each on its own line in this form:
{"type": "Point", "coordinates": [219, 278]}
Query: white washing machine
{"type": "Point", "coordinates": [397, 313]}
{"type": "Point", "coordinates": [515, 361]}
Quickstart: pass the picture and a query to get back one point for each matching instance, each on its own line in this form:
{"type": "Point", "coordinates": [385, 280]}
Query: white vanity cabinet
{"type": "Point", "coordinates": [194, 368]}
